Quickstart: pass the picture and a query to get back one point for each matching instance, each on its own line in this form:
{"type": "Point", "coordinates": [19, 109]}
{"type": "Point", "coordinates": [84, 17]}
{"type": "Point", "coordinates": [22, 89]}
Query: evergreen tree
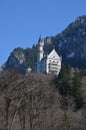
{"type": "Point", "coordinates": [64, 85]}
{"type": "Point", "coordinates": [64, 81]}
{"type": "Point", "coordinates": [77, 90]}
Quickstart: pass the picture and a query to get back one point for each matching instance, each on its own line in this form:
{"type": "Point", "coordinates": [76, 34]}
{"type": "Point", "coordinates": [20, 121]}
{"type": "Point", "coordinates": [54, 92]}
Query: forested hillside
{"type": "Point", "coordinates": [43, 102]}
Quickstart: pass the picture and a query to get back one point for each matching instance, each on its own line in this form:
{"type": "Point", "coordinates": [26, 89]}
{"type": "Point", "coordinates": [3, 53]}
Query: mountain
{"type": "Point", "coordinates": [70, 44]}
{"type": "Point", "coordinates": [21, 59]}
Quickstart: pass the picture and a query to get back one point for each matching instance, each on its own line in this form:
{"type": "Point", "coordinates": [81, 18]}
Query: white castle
{"type": "Point", "coordinates": [47, 64]}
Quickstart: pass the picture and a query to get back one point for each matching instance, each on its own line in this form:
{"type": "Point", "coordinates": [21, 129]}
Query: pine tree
{"type": "Point", "coordinates": [64, 81]}
{"type": "Point", "coordinates": [77, 90]}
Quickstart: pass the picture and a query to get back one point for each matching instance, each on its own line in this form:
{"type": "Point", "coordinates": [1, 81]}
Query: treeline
{"type": "Point", "coordinates": [43, 102]}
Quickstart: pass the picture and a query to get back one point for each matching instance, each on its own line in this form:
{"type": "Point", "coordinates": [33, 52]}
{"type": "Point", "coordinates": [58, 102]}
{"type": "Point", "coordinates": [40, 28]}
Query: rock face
{"type": "Point", "coordinates": [16, 60]}
{"type": "Point", "coordinates": [74, 38]}
{"type": "Point", "coordinates": [70, 44]}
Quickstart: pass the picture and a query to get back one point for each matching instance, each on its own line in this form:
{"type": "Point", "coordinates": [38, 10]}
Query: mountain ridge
{"type": "Point", "coordinates": [70, 44]}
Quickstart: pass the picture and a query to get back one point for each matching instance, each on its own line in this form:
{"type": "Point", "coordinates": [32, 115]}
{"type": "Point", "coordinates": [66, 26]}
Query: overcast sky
{"type": "Point", "coordinates": [22, 21]}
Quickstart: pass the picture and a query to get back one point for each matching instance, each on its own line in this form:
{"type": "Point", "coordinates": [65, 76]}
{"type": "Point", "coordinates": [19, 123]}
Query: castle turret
{"type": "Point", "coordinates": [40, 49]}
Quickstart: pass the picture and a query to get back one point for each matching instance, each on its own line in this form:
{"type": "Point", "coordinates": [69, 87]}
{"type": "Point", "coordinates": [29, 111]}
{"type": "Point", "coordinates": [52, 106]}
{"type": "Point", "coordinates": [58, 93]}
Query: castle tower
{"type": "Point", "coordinates": [40, 54]}
{"type": "Point", "coordinates": [40, 50]}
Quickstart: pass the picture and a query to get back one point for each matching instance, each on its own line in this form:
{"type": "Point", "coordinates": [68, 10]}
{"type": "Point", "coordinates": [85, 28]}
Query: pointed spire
{"type": "Point", "coordinates": [40, 39]}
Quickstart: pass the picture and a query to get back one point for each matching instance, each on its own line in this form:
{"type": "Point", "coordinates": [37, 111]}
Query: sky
{"type": "Point", "coordinates": [23, 21]}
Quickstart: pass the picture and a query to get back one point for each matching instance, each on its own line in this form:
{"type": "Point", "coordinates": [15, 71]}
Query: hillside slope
{"type": "Point", "coordinates": [32, 103]}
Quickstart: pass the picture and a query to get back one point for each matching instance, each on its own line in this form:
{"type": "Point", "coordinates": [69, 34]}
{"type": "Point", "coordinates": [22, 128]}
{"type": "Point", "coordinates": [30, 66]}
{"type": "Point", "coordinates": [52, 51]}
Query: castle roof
{"type": "Point", "coordinates": [53, 53]}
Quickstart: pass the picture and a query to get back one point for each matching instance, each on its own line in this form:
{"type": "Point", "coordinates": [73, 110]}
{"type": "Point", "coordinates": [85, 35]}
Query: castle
{"type": "Point", "coordinates": [47, 64]}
